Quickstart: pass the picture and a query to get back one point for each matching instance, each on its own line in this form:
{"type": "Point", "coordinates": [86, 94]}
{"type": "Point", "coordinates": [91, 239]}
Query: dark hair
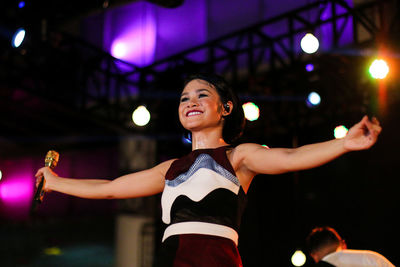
{"type": "Point", "coordinates": [234, 122]}
{"type": "Point", "coordinates": [321, 237]}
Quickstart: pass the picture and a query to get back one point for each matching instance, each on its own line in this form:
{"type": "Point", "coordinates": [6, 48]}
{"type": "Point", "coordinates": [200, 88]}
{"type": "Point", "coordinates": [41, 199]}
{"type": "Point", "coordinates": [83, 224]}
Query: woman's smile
{"type": "Point", "coordinates": [192, 113]}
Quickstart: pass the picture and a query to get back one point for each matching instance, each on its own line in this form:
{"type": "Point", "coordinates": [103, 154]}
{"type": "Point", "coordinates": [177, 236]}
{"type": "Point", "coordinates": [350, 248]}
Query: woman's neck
{"type": "Point", "coordinates": [207, 139]}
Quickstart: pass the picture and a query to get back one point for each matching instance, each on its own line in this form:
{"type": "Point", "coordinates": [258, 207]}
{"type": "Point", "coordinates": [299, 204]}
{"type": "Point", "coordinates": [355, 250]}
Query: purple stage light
{"type": "Point", "coordinates": [309, 67]}
{"type": "Point", "coordinates": [118, 50]}
{"type": "Point", "coordinates": [16, 192]}
{"type": "Point", "coordinates": [141, 33]}
{"type": "Point", "coordinates": [16, 189]}
{"type": "Point", "coordinates": [136, 41]}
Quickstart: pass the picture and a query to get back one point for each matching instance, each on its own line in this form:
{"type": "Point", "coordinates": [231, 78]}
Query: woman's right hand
{"type": "Point", "coordinates": [48, 175]}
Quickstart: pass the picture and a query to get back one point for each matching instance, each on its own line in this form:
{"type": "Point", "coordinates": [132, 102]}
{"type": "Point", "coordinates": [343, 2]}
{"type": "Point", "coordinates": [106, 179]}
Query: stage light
{"type": "Point", "coordinates": [134, 37]}
{"type": "Point", "coordinates": [379, 69]}
{"type": "Point", "coordinates": [21, 4]}
{"type": "Point", "coordinates": [309, 67]}
{"type": "Point", "coordinates": [186, 139]}
{"type": "Point", "coordinates": [313, 99]}
{"type": "Point", "coordinates": [15, 191]}
{"type": "Point", "coordinates": [309, 43]}
{"type": "Point", "coordinates": [298, 258]}
{"type": "Point", "coordinates": [251, 111]}
{"type": "Point", "coordinates": [340, 131]}
{"type": "Point", "coordinates": [141, 116]}
{"type": "Point", "coordinates": [53, 251]}
{"type": "Point", "coordinates": [1, 175]}
{"type": "Point", "coordinates": [118, 50]}
{"type": "Point", "coordinates": [18, 37]}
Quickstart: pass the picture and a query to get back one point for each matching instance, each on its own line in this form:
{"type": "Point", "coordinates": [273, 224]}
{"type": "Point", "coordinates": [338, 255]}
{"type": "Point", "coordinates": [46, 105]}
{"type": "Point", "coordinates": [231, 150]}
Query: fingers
{"type": "Point", "coordinates": [44, 171]}
{"type": "Point", "coordinates": [364, 119]}
{"type": "Point", "coordinates": [39, 176]}
{"type": "Point", "coordinates": [373, 126]}
{"type": "Point", "coordinates": [42, 174]}
{"type": "Point", "coordinates": [375, 120]}
{"type": "Point", "coordinates": [39, 179]}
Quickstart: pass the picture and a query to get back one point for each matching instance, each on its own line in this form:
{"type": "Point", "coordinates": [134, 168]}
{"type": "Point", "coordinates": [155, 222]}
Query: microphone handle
{"type": "Point", "coordinates": [39, 192]}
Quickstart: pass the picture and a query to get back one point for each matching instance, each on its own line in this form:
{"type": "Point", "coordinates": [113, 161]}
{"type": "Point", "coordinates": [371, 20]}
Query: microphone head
{"type": "Point", "coordinates": [51, 159]}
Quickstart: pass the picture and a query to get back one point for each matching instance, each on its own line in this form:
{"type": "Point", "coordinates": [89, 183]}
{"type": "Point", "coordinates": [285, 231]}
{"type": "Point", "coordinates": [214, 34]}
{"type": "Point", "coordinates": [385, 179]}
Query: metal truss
{"type": "Point", "coordinates": [244, 53]}
{"type": "Point", "coordinates": [102, 90]}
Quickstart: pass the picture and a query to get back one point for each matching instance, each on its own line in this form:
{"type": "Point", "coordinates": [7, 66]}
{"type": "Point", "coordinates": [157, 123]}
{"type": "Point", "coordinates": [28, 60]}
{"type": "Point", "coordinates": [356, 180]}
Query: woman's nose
{"type": "Point", "coordinates": [192, 103]}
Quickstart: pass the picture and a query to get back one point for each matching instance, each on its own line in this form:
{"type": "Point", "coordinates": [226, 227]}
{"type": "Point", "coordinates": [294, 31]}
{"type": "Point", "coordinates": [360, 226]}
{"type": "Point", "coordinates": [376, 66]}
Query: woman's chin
{"type": "Point", "coordinates": [192, 126]}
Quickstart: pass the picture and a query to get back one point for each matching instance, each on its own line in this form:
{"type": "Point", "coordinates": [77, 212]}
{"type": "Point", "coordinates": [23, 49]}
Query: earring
{"type": "Point", "coordinates": [227, 108]}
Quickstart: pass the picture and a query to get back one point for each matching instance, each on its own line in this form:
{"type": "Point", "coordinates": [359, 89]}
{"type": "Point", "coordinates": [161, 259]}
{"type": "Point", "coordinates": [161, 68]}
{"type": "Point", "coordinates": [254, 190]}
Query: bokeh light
{"type": "Point", "coordinates": [14, 191]}
{"type": "Point", "coordinates": [313, 99]}
{"type": "Point", "coordinates": [309, 67]}
{"type": "Point", "coordinates": [379, 69]}
{"type": "Point", "coordinates": [251, 111]}
{"type": "Point", "coordinates": [141, 116]}
{"type": "Point", "coordinates": [340, 131]}
{"type": "Point", "coordinates": [186, 139]}
{"type": "Point", "coordinates": [53, 251]}
{"type": "Point", "coordinates": [298, 258]}
{"type": "Point", "coordinates": [18, 37]}
{"type": "Point", "coordinates": [309, 43]}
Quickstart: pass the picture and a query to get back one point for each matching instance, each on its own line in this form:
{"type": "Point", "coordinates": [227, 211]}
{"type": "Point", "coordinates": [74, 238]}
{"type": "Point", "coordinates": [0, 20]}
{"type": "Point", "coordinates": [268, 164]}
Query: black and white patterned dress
{"type": "Point", "coordinates": [202, 204]}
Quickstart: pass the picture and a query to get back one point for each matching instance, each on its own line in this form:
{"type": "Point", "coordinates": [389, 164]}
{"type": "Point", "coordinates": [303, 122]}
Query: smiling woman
{"type": "Point", "coordinates": [228, 102]}
{"type": "Point", "coordinates": [204, 192]}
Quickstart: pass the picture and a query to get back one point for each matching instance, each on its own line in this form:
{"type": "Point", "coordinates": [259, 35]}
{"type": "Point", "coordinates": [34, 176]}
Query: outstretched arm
{"type": "Point", "coordinates": [257, 159]}
{"type": "Point", "coordinates": [139, 184]}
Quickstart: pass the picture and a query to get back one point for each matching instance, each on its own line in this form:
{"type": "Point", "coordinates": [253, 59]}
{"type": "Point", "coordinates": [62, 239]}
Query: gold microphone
{"type": "Point", "coordinates": [50, 161]}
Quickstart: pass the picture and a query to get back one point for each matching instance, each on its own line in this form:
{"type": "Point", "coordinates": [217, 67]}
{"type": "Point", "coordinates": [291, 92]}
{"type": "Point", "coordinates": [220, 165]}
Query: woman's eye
{"type": "Point", "coordinates": [183, 99]}
{"type": "Point", "coordinates": [202, 95]}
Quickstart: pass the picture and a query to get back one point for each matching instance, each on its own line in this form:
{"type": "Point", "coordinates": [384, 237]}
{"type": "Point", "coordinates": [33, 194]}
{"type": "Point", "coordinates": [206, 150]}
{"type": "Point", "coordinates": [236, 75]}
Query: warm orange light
{"type": "Point", "coordinates": [379, 69]}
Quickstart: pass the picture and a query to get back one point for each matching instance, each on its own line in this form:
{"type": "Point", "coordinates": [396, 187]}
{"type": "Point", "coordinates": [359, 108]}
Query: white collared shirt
{"type": "Point", "coordinates": [357, 258]}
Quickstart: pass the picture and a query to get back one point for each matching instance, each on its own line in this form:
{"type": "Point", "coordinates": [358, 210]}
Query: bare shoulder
{"type": "Point", "coordinates": [247, 146]}
{"type": "Point", "coordinates": [240, 152]}
{"type": "Point", "coordinates": [237, 156]}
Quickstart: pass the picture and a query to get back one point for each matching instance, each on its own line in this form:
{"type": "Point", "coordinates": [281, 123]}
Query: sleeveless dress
{"type": "Point", "coordinates": [202, 204]}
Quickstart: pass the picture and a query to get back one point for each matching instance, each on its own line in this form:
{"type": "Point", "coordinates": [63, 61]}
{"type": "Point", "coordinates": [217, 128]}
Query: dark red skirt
{"type": "Point", "coordinates": [194, 250]}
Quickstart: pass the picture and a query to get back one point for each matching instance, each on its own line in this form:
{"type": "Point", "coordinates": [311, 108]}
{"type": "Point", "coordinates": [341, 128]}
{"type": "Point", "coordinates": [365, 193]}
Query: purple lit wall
{"type": "Point", "coordinates": [181, 28]}
{"type": "Point", "coordinates": [141, 32]}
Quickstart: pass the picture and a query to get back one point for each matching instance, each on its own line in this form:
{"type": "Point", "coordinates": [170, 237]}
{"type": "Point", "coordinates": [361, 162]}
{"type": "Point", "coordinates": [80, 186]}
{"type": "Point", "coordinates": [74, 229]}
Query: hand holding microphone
{"type": "Point", "coordinates": [50, 161]}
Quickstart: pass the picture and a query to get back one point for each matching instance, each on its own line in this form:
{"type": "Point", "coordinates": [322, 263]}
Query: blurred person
{"type": "Point", "coordinates": [327, 248]}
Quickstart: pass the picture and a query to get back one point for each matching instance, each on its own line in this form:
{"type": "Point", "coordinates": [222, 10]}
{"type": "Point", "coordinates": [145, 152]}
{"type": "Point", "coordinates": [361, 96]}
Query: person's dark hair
{"type": "Point", "coordinates": [321, 237]}
{"type": "Point", "coordinates": [235, 121]}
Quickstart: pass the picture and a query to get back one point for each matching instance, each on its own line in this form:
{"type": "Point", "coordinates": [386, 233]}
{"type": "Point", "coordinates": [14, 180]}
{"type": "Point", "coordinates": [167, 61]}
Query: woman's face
{"type": "Point", "coordinates": [200, 106]}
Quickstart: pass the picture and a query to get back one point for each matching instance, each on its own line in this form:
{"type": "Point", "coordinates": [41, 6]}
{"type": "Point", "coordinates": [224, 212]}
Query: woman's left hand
{"type": "Point", "coordinates": [363, 134]}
